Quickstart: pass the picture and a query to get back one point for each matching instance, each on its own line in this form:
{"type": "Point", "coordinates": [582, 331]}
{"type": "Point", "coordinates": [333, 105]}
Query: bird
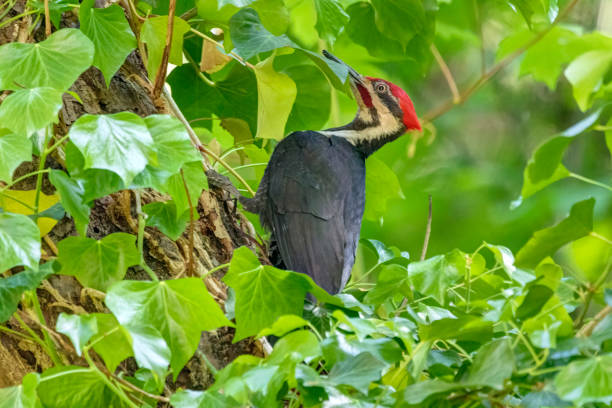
{"type": "Point", "coordinates": [312, 194]}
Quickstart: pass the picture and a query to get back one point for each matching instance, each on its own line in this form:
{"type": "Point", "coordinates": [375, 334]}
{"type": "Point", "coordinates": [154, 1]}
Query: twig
{"type": "Point", "coordinates": [47, 19]}
{"type": "Point", "coordinates": [160, 77]}
{"type": "Point", "coordinates": [51, 245]}
{"type": "Point", "coordinates": [196, 142]}
{"type": "Point", "coordinates": [446, 72]}
{"type": "Point", "coordinates": [485, 77]}
{"type": "Point", "coordinates": [592, 290]}
{"type": "Point", "coordinates": [588, 328]}
{"type": "Point", "coordinates": [139, 390]}
{"type": "Point", "coordinates": [427, 232]}
{"type": "Point", "coordinates": [190, 263]}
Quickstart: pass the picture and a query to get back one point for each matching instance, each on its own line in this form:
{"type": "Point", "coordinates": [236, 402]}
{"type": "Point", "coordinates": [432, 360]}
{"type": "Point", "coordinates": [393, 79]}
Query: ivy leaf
{"type": "Point", "coordinates": [331, 19]}
{"type": "Point", "coordinates": [202, 399]}
{"type": "Point", "coordinates": [171, 142]}
{"type": "Point", "coordinates": [586, 381]}
{"type": "Point", "coordinates": [263, 293]}
{"type": "Point", "coordinates": [19, 241]}
{"type": "Point", "coordinates": [435, 275]}
{"type": "Point", "coordinates": [119, 142]}
{"type": "Point", "coordinates": [296, 346]}
{"type": "Point", "coordinates": [392, 279]}
{"type": "Point", "coordinates": [313, 101]}
{"type": "Point", "coordinates": [493, 364]}
{"type": "Point", "coordinates": [586, 73]}
{"type": "Point", "coordinates": [56, 8]}
{"type": "Point", "coordinates": [382, 185]}
{"type": "Point", "coordinates": [112, 341]}
{"type": "Point", "coordinates": [362, 30]}
{"type": "Point", "coordinates": [547, 241]}
{"type": "Point", "coordinates": [111, 34]}
{"type": "Point", "coordinates": [72, 199]}
{"type": "Point", "coordinates": [27, 110]}
{"type": "Point", "coordinates": [55, 62]}
{"type": "Point", "coordinates": [196, 181]}
{"type": "Point", "coordinates": [399, 20]}
{"type": "Point", "coordinates": [544, 166]}
{"type": "Point", "coordinates": [23, 395]}
{"type": "Point", "coordinates": [12, 288]}
{"type": "Point", "coordinates": [233, 97]}
{"type": "Point", "coordinates": [78, 328]}
{"type": "Point", "coordinates": [274, 15]}
{"type": "Point", "coordinates": [536, 298]}
{"type": "Point", "coordinates": [163, 215]}
{"type": "Point", "coordinates": [73, 386]}
{"type": "Point", "coordinates": [284, 325]}
{"type": "Point", "coordinates": [179, 309]}
{"type": "Point", "coordinates": [150, 349]}
{"type": "Point", "coordinates": [250, 37]}
{"type": "Point", "coordinates": [358, 372]}
{"type": "Point", "coordinates": [22, 202]}
{"type": "Point", "coordinates": [14, 149]}
{"type": "Point", "coordinates": [153, 33]}
{"type": "Point", "coordinates": [98, 264]}
{"type": "Point", "coordinates": [276, 93]}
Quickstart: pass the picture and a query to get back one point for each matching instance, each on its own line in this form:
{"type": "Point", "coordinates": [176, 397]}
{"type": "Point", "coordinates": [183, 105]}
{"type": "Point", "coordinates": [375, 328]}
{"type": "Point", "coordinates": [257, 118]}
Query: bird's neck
{"type": "Point", "coordinates": [368, 136]}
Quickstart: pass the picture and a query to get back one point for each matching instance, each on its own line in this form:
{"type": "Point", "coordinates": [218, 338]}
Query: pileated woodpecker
{"type": "Point", "coordinates": [312, 194]}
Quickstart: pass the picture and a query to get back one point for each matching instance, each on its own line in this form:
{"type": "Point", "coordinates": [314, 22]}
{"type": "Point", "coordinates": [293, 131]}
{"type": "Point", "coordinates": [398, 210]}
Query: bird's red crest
{"type": "Point", "coordinates": [410, 117]}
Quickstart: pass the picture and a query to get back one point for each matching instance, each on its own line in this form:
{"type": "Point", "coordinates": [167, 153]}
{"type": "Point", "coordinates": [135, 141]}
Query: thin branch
{"type": "Point", "coordinates": [485, 77]}
{"type": "Point", "coordinates": [588, 328]}
{"type": "Point", "coordinates": [190, 262]}
{"type": "Point", "coordinates": [427, 232]}
{"type": "Point", "coordinates": [139, 390]}
{"type": "Point", "coordinates": [47, 19]}
{"type": "Point", "coordinates": [446, 72]}
{"type": "Point", "coordinates": [160, 77]}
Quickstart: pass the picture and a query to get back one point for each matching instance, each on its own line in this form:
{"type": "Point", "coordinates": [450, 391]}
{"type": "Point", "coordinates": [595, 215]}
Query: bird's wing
{"type": "Point", "coordinates": [315, 205]}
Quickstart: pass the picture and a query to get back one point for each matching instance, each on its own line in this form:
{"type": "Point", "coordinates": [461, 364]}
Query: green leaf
{"type": "Point", "coordinates": [284, 325]}
{"type": "Point", "coordinates": [331, 19]}
{"type": "Point", "coordinates": [150, 349]}
{"type": "Point", "coordinates": [493, 364]}
{"type": "Point", "coordinates": [274, 15]}
{"type": "Point", "coordinates": [544, 166]}
{"type": "Point", "coordinates": [27, 110]}
{"type": "Point", "coordinates": [202, 399]}
{"type": "Point", "coordinates": [420, 391]}
{"type": "Point", "coordinates": [250, 37]}
{"type": "Point", "coordinates": [586, 74]}
{"type": "Point", "coordinates": [111, 342]}
{"type": "Point", "coordinates": [400, 20]}
{"type": "Point", "coordinates": [296, 346]}
{"type": "Point", "coordinates": [543, 331]}
{"type": "Point", "coordinates": [74, 387]}
{"type": "Point", "coordinates": [276, 93]}
{"type": "Point", "coordinates": [587, 380]}
{"type": "Point", "coordinates": [462, 328]}
{"type": "Point", "coordinates": [119, 142]}
{"type": "Point", "coordinates": [179, 309]}
{"type": "Point", "coordinates": [55, 62]}
{"type": "Point", "coordinates": [14, 149]}
{"type": "Point", "coordinates": [435, 275]}
{"type": "Point", "coordinates": [71, 196]}
{"type": "Point", "coordinates": [56, 8]}
{"type": "Point", "coordinates": [547, 241]}
{"type": "Point", "coordinates": [111, 35]}
{"type": "Point", "coordinates": [12, 288]}
{"type": "Point", "coordinates": [382, 185]}
{"type": "Point", "coordinates": [19, 241]}
{"type": "Point", "coordinates": [392, 279]}
{"type": "Point", "coordinates": [196, 181]}
{"type": "Point", "coordinates": [153, 33]}
{"type": "Point", "coordinates": [263, 293]}
{"type": "Point", "coordinates": [313, 100]}
{"type": "Point", "coordinates": [78, 328]}
{"type": "Point", "coordinates": [171, 142]}
{"type": "Point", "coordinates": [21, 396]}
{"type": "Point", "coordinates": [536, 298]}
{"type": "Point", "coordinates": [98, 264]}
{"type": "Point", "coordinates": [362, 30]}
{"type": "Point", "coordinates": [358, 372]}
{"type": "Point", "coordinates": [233, 97]}
{"type": "Point", "coordinates": [163, 215]}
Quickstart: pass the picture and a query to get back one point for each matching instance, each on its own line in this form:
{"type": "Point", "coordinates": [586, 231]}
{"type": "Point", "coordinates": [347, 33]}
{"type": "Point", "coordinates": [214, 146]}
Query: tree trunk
{"type": "Point", "coordinates": [216, 233]}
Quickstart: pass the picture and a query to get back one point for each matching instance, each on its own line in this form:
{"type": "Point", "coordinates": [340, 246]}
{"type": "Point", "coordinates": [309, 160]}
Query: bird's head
{"type": "Point", "coordinates": [385, 109]}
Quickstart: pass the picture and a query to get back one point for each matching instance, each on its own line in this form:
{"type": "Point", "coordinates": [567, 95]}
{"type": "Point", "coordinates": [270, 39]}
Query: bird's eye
{"type": "Point", "coordinates": [382, 87]}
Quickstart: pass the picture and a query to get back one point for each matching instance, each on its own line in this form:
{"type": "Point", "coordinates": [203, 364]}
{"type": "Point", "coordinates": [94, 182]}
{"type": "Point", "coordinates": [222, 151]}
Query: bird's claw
{"type": "Point", "coordinates": [218, 180]}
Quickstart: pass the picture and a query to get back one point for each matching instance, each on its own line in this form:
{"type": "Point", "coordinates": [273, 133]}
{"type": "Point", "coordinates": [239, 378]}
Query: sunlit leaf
{"type": "Point", "coordinates": [331, 19]}
{"type": "Point", "coordinates": [13, 201]}
{"type": "Point", "coordinates": [27, 110]}
{"type": "Point", "coordinates": [586, 73]}
{"type": "Point", "coordinates": [19, 241]}
{"type": "Point", "coordinates": [22, 395]}
{"type": "Point", "coordinates": [78, 328]}
{"type": "Point", "coordinates": [202, 399]}
{"type": "Point", "coordinates": [111, 342]}
{"type": "Point", "coordinates": [178, 309]}
{"type": "Point", "coordinates": [55, 62]}
{"type": "Point", "coordinates": [276, 94]}
{"type": "Point", "coordinates": [171, 142]}
{"type": "Point", "coordinates": [14, 149]}
{"type": "Point", "coordinates": [435, 275]}
{"type": "Point", "coordinates": [250, 37]}
{"type": "Point", "coordinates": [382, 185]}
{"type": "Point", "coordinates": [493, 364]}
{"type": "Point", "coordinates": [392, 279]}
{"type": "Point", "coordinates": [111, 34]}
{"type": "Point", "coordinates": [153, 33]}
{"type": "Point", "coordinates": [586, 380]}
{"type": "Point", "coordinates": [98, 264]}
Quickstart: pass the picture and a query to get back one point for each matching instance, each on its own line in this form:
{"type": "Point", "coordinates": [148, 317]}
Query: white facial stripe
{"type": "Point", "coordinates": [370, 133]}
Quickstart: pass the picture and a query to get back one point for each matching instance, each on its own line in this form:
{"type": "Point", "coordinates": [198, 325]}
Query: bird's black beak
{"type": "Point", "coordinates": [354, 76]}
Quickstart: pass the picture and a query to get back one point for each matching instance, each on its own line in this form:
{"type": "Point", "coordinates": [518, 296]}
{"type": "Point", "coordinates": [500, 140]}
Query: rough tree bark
{"type": "Point", "coordinates": [217, 232]}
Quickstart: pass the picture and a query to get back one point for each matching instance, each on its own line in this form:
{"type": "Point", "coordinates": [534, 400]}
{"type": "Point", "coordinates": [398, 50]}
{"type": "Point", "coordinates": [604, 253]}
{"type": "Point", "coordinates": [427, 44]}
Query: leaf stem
{"type": "Point", "coordinates": [128, 384]}
{"type": "Point", "coordinates": [140, 241]}
{"type": "Point", "coordinates": [16, 333]}
{"type": "Point", "coordinates": [47, 19]}
{"type": "Point", "coordinates": [117, 390]}
{"type": "Point", "coordinates": [190, 262]}
{"type": "Point", "coordinates": [29, 207]}
{"type": "Point", "coordinates": [25, 176]}
{"type": "Point", "coordinates": [41, 166]}
{"type": "Point", "coordinates": [17, 17]}
{"type": "Point", "coordinates": [600, 237]}
{"type": "Point", "coordinates": [590, 181]}
{"type": "Point", "coordinates": [41, 318]}
{"type": "Point", "coordinates": [35, 336]}
{"type": "Point", "coordinates": [452, 85]}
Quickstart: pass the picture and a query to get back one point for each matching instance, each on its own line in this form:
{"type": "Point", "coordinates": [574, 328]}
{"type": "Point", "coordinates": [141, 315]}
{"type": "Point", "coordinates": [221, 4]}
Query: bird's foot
{"type": "Point", "coordinates": [218, 180]}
